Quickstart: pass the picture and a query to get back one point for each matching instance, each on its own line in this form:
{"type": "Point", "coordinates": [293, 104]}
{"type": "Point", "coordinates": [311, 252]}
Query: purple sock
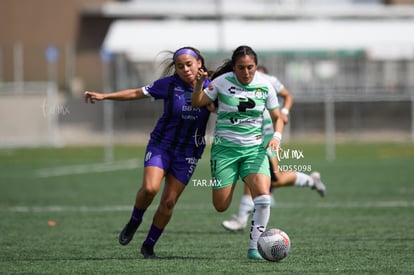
{"type": "Point", "coordinates": [153, 235]}
{"type": "Point", "coordinates": [137, 214]}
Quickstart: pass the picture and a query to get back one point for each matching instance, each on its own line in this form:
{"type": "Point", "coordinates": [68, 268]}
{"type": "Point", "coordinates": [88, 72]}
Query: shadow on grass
{"type": "Point", "coordinates": [97, 259]}
{"type": "Point", "coordinates": [192, 232]}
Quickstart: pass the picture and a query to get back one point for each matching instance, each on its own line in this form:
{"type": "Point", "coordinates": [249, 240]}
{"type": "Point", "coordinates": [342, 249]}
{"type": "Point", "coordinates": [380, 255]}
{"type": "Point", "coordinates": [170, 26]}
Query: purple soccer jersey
{"type": "Point", "coordinates": [181, 128]}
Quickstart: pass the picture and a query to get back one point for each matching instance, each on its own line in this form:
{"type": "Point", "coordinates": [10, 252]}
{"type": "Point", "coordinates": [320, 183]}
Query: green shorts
{"type": "Point", "coordinates": [230, 163]}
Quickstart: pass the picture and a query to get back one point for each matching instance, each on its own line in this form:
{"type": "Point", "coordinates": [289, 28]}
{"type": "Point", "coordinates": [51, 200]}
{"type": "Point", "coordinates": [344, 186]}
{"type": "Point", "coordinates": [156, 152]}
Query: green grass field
{"type": "Point", "coordinates": [364, 225]}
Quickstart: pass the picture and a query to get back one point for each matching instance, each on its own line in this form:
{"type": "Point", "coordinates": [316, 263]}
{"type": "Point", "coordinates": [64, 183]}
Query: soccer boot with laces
{"type": "Point", "coordinates": [318, 185]}
{"type": "Point", "coordinates": [234, 224]}
{"type": "Point", "coordinates": [128, 232]}
{"type": "Point", "coordinates": [148, 251]}
{"type": "Point", "coordinates": [253, 254]}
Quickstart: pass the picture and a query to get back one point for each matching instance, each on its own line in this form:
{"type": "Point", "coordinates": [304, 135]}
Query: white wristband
{"type": "Point", "coordinates": [277, 135]}
{"type": "Point", "coordinates": [285, 111]}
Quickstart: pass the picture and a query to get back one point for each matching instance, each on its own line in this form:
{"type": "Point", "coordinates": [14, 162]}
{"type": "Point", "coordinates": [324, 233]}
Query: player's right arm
{"type": "Point", "coordinates": [287, 104]}
{"type": "Point", "coordinates": [128, 94]}
{"type": "Point", "coordinates": [199, 98]}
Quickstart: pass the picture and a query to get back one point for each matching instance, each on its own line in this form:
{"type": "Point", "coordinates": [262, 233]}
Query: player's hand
{"type": "Point", "coordinates": [92, 96]}
{"type": "Point", "coordinates": [201, 75]}
{"type": "Point", "coordinates": [285, 118]}
{"type": "Point", "coordinates": [274, 144]}
{"type": "Point", "coordinates": [211, 107]}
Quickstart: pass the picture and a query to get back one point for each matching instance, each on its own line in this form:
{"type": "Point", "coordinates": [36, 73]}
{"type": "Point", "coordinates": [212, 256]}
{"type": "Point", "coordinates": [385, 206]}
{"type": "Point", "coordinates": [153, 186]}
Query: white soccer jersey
{"type": "Point", "coordinates": [267, 124]}
{"type": "Point", "coordinates": [240, 108]}
{"type": "Point", "coordinates": [267, 120]}
{"type": "Point", "coordinates": [277, 85]}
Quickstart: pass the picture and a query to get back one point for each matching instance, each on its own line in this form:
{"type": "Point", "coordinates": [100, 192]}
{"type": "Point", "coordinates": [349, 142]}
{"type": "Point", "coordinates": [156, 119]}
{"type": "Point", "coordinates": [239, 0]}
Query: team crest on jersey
{"type": "Point", "coordinates": [259, 93]}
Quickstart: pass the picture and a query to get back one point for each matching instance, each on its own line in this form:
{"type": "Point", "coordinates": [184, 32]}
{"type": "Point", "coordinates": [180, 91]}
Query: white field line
{"type": "Point", "coordinates": [201, 206]}
{"type": "Point", "coordinates": [88, 168]}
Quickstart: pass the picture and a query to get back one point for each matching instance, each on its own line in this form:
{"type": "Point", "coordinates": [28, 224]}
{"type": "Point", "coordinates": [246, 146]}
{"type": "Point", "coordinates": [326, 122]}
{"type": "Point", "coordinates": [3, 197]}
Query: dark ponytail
{"type": "Point", "coordinates": [229, 63]}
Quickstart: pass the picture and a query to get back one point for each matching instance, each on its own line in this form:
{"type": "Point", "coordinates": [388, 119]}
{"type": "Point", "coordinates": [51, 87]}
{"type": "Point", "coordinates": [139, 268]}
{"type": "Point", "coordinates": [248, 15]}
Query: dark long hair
{"type": "Point", "coordinates": [170, 62]}
{"type": "Point", "coordinates": [229, 63]}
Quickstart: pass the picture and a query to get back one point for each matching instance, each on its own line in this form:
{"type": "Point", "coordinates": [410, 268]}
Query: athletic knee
{"type": "Point", "coordinates": [148, 191]}
{"type": "Point", "coordinates": [168, 204]}
{"type": "Point", "coordinates": [220, 207]}
{"type": "Point", "coordinates": [222, 198]}
{"type": "Point", "coordinates": [166, 208]}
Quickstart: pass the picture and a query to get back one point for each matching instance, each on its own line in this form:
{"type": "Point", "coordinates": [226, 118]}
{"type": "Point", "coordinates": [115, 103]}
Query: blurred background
{"type": "Point", "coordinates": [348, 63]}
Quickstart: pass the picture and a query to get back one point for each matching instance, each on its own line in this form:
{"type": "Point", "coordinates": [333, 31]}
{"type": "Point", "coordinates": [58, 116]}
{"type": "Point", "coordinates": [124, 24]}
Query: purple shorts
{"type": "Point", "coordinates": [181, 167]}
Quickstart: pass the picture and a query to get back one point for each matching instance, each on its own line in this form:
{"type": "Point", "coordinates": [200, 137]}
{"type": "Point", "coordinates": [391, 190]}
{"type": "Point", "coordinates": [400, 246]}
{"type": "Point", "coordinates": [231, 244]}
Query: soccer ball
{"type": "Point", "coordinates": [273, 245]}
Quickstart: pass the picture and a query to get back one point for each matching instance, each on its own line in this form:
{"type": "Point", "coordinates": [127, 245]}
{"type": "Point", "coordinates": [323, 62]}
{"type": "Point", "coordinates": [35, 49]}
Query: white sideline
{"type": "Point", "coordinates": [88, 168]}
{"type": "Point", "coordinates": [201, 206]}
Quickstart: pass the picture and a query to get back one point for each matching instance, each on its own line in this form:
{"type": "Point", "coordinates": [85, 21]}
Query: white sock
{"type": "Point", "coordinates": [303, 180]}
{"type": "Point", "coordinates": [245, 208]}
{"type": "Point", "coordinates": [260, 219]}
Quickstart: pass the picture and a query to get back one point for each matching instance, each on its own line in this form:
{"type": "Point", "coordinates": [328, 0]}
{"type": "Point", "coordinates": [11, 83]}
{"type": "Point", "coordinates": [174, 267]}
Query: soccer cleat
{"type": "Point", "coordinates": [148, 251]}
{"type": "Point", "coordinates": [127, 233]}
{"type": "Point", "coordinates": [253, 254]}
{"type": "Point", "coordinates": [234, 224]}
{"type": "Point", "coordinates": [318, 186]}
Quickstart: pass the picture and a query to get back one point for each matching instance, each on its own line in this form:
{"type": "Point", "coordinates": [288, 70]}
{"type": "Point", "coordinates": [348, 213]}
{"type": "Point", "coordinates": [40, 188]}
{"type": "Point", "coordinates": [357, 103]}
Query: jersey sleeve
{"type": "Point", "coordinates": [158, 89]}
{"type": "Point", "coordinates": [276, 84]}
{"type": "Point", "coordinates": [272, 102]}
{"type": "Point", "coordinates": [211, 90]}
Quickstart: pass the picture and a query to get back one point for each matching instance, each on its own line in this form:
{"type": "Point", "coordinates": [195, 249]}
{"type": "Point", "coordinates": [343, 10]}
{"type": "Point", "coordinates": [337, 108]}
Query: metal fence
{"type": "Point", "coordinates": [338, 96]}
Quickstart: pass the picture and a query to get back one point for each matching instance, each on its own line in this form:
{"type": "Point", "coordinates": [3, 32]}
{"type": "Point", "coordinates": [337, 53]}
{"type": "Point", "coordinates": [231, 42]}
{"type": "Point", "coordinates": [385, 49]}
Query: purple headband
{"type": "Point", "coordinates": [185, 51]}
